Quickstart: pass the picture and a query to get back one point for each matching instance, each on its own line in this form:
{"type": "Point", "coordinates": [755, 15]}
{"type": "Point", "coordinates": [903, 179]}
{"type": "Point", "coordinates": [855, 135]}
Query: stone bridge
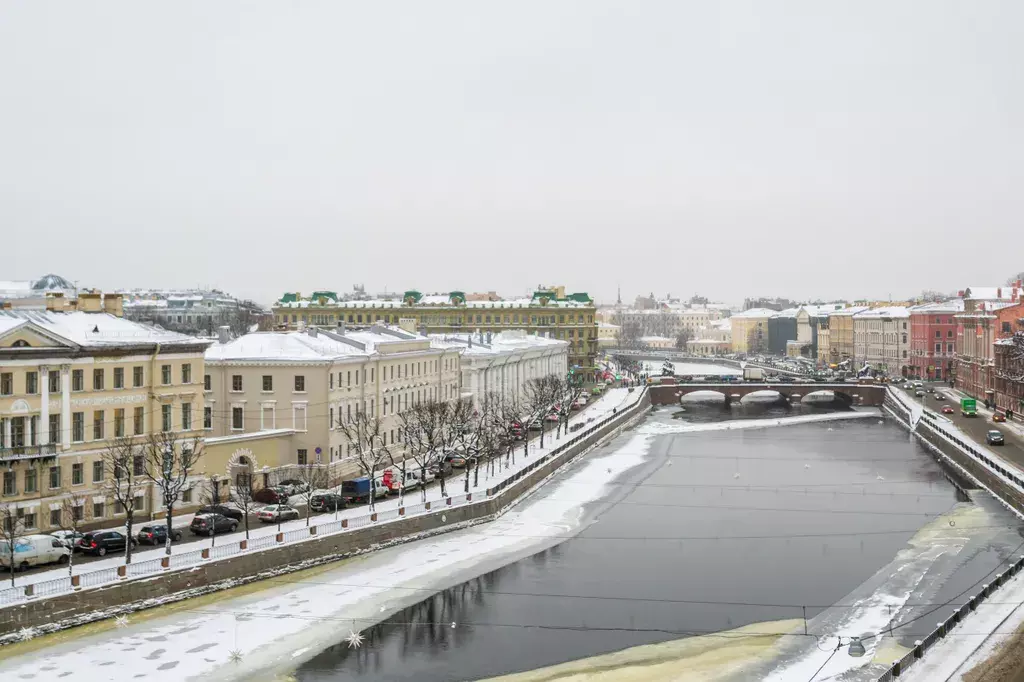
{"type": "Point", "coordinates": [847, 394]}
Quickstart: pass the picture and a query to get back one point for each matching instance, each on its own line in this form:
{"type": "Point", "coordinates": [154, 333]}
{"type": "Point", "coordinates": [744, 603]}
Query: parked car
{"type": "Point", "coordinates": [358, 490]}
{"type": "Point", "coordinates": [552, 417]}
{"type": "Point", "coordinates": [34, 550]}
{"type": "Point", "coordinates": [69, 537]}
{"type": "Point", "coordinates": [275, 513]}
{"type": "Point", "coordinates": [101, 542]}
{"type": "Point", "coordinates": [292, 486]}
{"type": "Point", "coordinates": [412, 480]}
{"type": "Point", "coordinates": [270, 496]}
{"type": "Point", "coordinates": [443, 468]}
{"type": "Point", "coordinates": [221, 509]}
{"type": "Point", "coordinates": [998, 417]}
{"type": "Point", "coordinates": [535, 425]}
{"type": "Point", "coordinates": [211, 524]}
{"type": "Point", "coordinates": [156, 534]}
{"type": "Point", "coordinates": [324, 502]}
{"type": "Point", "coordinates": [457, 459]}
{"type": "Point", "coordinates": [993, 437]}
{"type": "Point", "coordinates": [947, 409]}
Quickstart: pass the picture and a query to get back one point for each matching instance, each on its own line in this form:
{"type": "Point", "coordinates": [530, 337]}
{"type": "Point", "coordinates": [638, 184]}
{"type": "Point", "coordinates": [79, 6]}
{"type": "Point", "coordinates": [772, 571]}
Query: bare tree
{"type": "Point", "coordinates": [366, 435]}
{"type": "Point", "coordinates": [125, 461]}
{"type": "Point", "coordinates": [170, 461]}
{"type": "Point", "coordinates": [475, 436]}
{"type": "Point", "coordinates": [683, 338]}
{"type": "Point", "coordinates": [314, 479]}
{"type": "Point", "coordinates": [210, 497]}
{"type": "Point", "coordinates": [506, 415]}
{"type": "Point", "coordinates": [571, 389]}
{"type": "Point", "coordinates": [242, 495]}
{"type": "Point", "coordinates": [540, 396]}
{"type": "Point", "coordinates": [417, 445]}
{"type": "Point", "coordinates": [12, 527]}
{"type": "Point", "coordinates": [72, 515]}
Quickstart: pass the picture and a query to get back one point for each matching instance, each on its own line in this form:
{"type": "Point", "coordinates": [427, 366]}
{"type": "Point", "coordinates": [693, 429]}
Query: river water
{"type": "Point", "coordinates": [848, 524]}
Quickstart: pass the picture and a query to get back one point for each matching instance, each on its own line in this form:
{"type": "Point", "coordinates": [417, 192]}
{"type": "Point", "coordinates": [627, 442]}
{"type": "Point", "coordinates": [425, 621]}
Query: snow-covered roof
{"type": "Point", "coordinates": [304, 347]}
{"type": "Point", "coordinates": [656, 339]}
{"type": "Point", "coordinates": [756, 312]}
{"type": "Point", "coordinates": [955, 305]}
{"type": "Point", "coordinates": [93, 330]}
{"type": "Point", "coordinates": [989, 293]}
{"type": "Point", "coordinates": [822, 310]}
{"type": "Point", "coordinates": [886, 311]}
{"type": "Point", "coordinates": [852, 310]}
{"type": "Point", "coordinates": [787, 313]}
{"type": "Point", "coordinates": [607, 325]}
{"type": "Point", "coordinates": [506, 341]}
{"type": "Point", "coordinates": [724, 324]}
{"type": "Point", "coordinates": [440, 300]}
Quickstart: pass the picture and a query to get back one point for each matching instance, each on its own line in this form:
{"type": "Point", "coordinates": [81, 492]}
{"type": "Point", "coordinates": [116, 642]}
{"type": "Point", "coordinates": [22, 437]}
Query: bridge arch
{"type": "Point", "coordinates": [768, 395]}
{"type": "Point", "coordinates": [704, 396]}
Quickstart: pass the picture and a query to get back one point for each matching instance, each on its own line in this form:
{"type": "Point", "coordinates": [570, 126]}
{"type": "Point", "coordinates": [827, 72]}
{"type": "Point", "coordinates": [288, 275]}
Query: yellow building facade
{"type": "Point", "coordinates": [549, 312]}
{"type": "Point", "coordinates": [72, 382]}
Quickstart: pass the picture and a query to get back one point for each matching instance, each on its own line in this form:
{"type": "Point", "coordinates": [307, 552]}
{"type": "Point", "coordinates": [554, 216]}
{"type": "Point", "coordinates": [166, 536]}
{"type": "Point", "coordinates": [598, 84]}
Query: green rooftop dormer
{"type": "Point", "coordinates": [289, 297]}
{"type": "Point", "coordinates": [412, 297]}
{"type": "Point", "coordinates": [580, 297]}
{"type": "Point", "coordinates": [457, 297]}
{"type": "Point", "coordinates": [324, 297]}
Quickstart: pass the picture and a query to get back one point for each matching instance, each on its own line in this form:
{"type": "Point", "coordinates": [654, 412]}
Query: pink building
{"type": "Point", "coordinates": [978, 328]}
{"type": "Point", "coordinates": [933, 329]}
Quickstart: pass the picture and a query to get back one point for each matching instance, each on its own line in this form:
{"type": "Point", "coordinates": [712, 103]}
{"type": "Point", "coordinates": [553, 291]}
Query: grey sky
{"type": "Point", "coordinates": [731, 149]}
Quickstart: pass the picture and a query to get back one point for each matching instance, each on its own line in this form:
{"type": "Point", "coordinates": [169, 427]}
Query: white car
{"type": "Point", "coordinates": [69, 537]}
{"type": "Point", "coordinates": [274, 513]}
{"type": "Point", "coordinates": [34, 550]}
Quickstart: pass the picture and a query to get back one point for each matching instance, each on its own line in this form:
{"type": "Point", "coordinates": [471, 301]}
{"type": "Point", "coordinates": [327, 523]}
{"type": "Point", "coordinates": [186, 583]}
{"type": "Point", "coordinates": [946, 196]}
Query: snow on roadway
{"type": "Point", "coordinates": [276, 629]}
{"type": "Point", "coordinates": [614, 398]}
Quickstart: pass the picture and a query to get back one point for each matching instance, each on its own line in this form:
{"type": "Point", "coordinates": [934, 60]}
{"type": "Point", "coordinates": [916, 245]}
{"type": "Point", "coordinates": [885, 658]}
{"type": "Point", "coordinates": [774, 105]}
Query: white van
{"type": "Point", "coordinates": [34, 550]}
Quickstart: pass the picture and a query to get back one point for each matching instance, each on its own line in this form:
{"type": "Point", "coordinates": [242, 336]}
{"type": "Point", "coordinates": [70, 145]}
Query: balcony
{"type": "Point", "coordinates": [19, 452]}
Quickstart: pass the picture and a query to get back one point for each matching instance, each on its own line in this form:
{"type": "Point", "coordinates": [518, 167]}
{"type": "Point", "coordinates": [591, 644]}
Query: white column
{"type": "Point", "coordinates": [28, 429]}
{"type": "Point", "coordinates": [44, 406]}
{"type": "Point", "coordinates": [65, 406]}
{"type": "Point", "coordinates": [7, 433]}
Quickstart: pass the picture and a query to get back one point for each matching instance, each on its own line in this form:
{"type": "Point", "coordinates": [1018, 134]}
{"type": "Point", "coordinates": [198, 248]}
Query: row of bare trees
{"type": "Point", "coordinates": [432, 432]}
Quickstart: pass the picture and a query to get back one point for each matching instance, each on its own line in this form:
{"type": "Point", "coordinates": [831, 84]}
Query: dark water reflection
{"type": "Point", "coordinates": [720, 530]}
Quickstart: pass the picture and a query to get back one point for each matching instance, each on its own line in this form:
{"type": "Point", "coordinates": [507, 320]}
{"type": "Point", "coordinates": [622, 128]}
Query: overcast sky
{"type": "Point", "coordinates": [803, 149]}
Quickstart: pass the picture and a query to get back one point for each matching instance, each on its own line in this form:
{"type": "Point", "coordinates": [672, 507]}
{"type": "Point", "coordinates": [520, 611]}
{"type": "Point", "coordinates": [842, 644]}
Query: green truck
{"type": "Point", "coordinates": [969, 407]}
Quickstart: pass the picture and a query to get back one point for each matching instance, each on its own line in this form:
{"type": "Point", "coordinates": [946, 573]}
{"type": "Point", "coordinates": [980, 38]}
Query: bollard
{"type": "Point", "coordinates": [401, 511]}
{"type": "Point", "coordinates": [29, 590]}
{"type": "Point", "coordinates": [449, 502]}
{"type": "Point", "coordinates": [344, 523]}
{"type": "Point", "coordinates": [985, 591]}
{"type": "Point", "coordinates": [279, 537]}
{"type": "Point", "coordinates": [206, 553]}
{"type": "Point", "coordinates": [312, 530]}
{"type": "Point", "coordinates": [243, 545]}
{"type": "Point", "coordinates": [373, 516]}
{"type": "Point", "coordinates": [165, 562]}
{"type": "Point", "coordinates": [941, 628]}
{"type": "Point", "coordinates": [973, 603]}
{"type": "Point", "coordinates": [75, 581]}
{"type": "Point", "coordinates": [469, 497]}
{"type": "Point", "coordinates": [427, 506]}
{"type": "Point", "coordinates": [918, 650]}
{"type": "Point", "coordinates": [122, 571]}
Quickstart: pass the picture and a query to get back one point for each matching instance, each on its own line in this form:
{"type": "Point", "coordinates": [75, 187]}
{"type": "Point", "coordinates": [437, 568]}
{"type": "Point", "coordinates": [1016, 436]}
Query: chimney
{"type": "Point", "coordinates": [223, 334]}
{"type": "Point", "coordinates": [113, 304]}
{"type": "Point", "coordinates": [407, 324]}
{"type": "Point", "coordinates": [90, 302]}
{"type": "Point", "coordinates": [341, 326]}
{"type": "Point", "coordinates": [488, 338]}
{"type": "Point", "coordinates": [55, 301]}
{"type": "Point", "coordinates": [423, 330]}
{"type": "Point", "coordinates": [312, 332]}
{"type": "Point", "coordinates": [999, 293]}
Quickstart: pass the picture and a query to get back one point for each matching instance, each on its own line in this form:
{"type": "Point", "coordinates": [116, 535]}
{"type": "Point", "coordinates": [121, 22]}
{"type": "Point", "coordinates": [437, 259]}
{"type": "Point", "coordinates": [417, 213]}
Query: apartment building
{"type": "Point", "coordinates": [549, 312]}
{"type": "Point", "coordinates": [990, 314]}
{"type": "Point", "coordinates": [502, 363]}
{"type": "Point", "coordinates": [70, 383]}
{"type": "Point", "coordinates": [307, 381]}
{"type": "Point", "coordinates": [750, 330]}
{"type": "Point", "coordinates": [840, 336]}
{"type": "Point", "coordinates": [933, 339]}
{"type": "Point", "coordinates": [882, 340]}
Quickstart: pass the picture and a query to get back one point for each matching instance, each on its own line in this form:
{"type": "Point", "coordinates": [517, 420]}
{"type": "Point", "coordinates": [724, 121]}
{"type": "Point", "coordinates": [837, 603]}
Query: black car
{"type": "Point", "coordinates": [157, 534]}
{"type": "Point", "coordinates": [221, 509]}
{"type": "Point", "coordinates": [994, 438]}
{"type": "Point", "coordinates": [322, 502]}
{"type": "Point", "coordinates": [101, 542]}
{"type": "Point", "coordinates": [442, 468]}
{"type": "Point", "coordinates": [211, 524]}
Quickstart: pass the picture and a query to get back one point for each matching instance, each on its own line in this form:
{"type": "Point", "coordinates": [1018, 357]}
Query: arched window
{"type": "Point", "coordinates": [20, 343]}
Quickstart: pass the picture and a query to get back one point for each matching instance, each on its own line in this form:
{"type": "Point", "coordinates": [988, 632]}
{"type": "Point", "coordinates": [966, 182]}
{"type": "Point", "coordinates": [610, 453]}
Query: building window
{"type": "Point", "coordinates": [55, 518]}
{"type": "Point", "coordinates": [186, 495]}
{"type": "Point", "coordinates": [330, 380]}
{"type": "Point", "coordinates": [330, 419]}
{"type": "Point", "coordinates": [139, 420]}
{"type": "Point", "coordinates": [207, 417]}
{"type": "Point", "coordinates": [78, 427]}
{"type": "Point", "coordinates": [371, 374]}
{"type": "Point", "coordinates": [119, 423]}
{"type": "Point", "coordinates": [938, 348]}
{"type": "Point", "coordinates": [54, 477]}
{"type": "Point", "coordinates": [77, 474]}
{"type": "Point", "coordinates": [137, 376]}
{"type": "Point", "coordinates": [165, 417]}
{"type": "Point", "coordinates": [236, 418]}
{"type": "Point", "coordinates": [300, 417]}
{"type": "Point", "coordinates": [949, 334]}
{"type": "Point", "coordinates": [186, 373]}
{"type": "Point", "coordinates": [140, 503]}
{"type": "Point", "coordinates": [31, 383]}
{"type": "Point", "coordinates": [302, 456]}
{"type": "Point", "coordinates": [97, 510]}
{"type": "Point", "coordinates": [97, 425]}
{"type": "Point", "coordinates": [206, 382]}
{"type": "Point", "coordinates": [54, 379]}
{"type": "Point", "coordinates": [268, 383]}
{"type": "Point", "coordinates": [165, 374]}
{"type": "Point", "coordinates": [97, 379]}
{"type": "Point", "coordinates": [119, 377]}
{"type": "Point", "coordinates": [54, 428]}
{"type": "Point", "coordinates": [10, 484]}
{"type": "Point", "coordinates": [938, 334]}
{"type": "Point", "coordinates": [97, 471]}
{"type": "Point", "coordinates": [77, 380]}
{"type": "Point", "coordinates": [949, 348]}
{"type": "Point", "coordinates": [300, 383]}
{"type": "Point", "coordinates": [236, 382]}
{"type": "Point", "coordinates": [186, 416]}
{"type": "Point", "coordinates": [30, 480]}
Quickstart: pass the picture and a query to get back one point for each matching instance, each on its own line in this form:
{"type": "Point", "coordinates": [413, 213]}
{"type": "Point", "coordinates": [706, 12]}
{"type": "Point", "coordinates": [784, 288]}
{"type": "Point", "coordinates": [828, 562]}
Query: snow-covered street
{"type": "Point", "coordinates": [613, 399]}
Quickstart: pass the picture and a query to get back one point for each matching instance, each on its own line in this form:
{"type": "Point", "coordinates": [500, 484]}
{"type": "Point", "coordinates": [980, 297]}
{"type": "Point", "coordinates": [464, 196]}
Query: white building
{"type": "Point", "coordinates": [658, 342]}
{"type": "Point", "coordinates": [309, 380]}
{"type": "Point", "coordinates": [881, 339]}
{"type": "Point", "coordinates": [502, 363]}
{"type": "Point", "coordinates": [607, 334]}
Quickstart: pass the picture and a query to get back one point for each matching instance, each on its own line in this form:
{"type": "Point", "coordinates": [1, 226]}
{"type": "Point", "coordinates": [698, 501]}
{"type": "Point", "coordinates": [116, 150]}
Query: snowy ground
{"type": "Point", "coordinates": [615, 398]}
